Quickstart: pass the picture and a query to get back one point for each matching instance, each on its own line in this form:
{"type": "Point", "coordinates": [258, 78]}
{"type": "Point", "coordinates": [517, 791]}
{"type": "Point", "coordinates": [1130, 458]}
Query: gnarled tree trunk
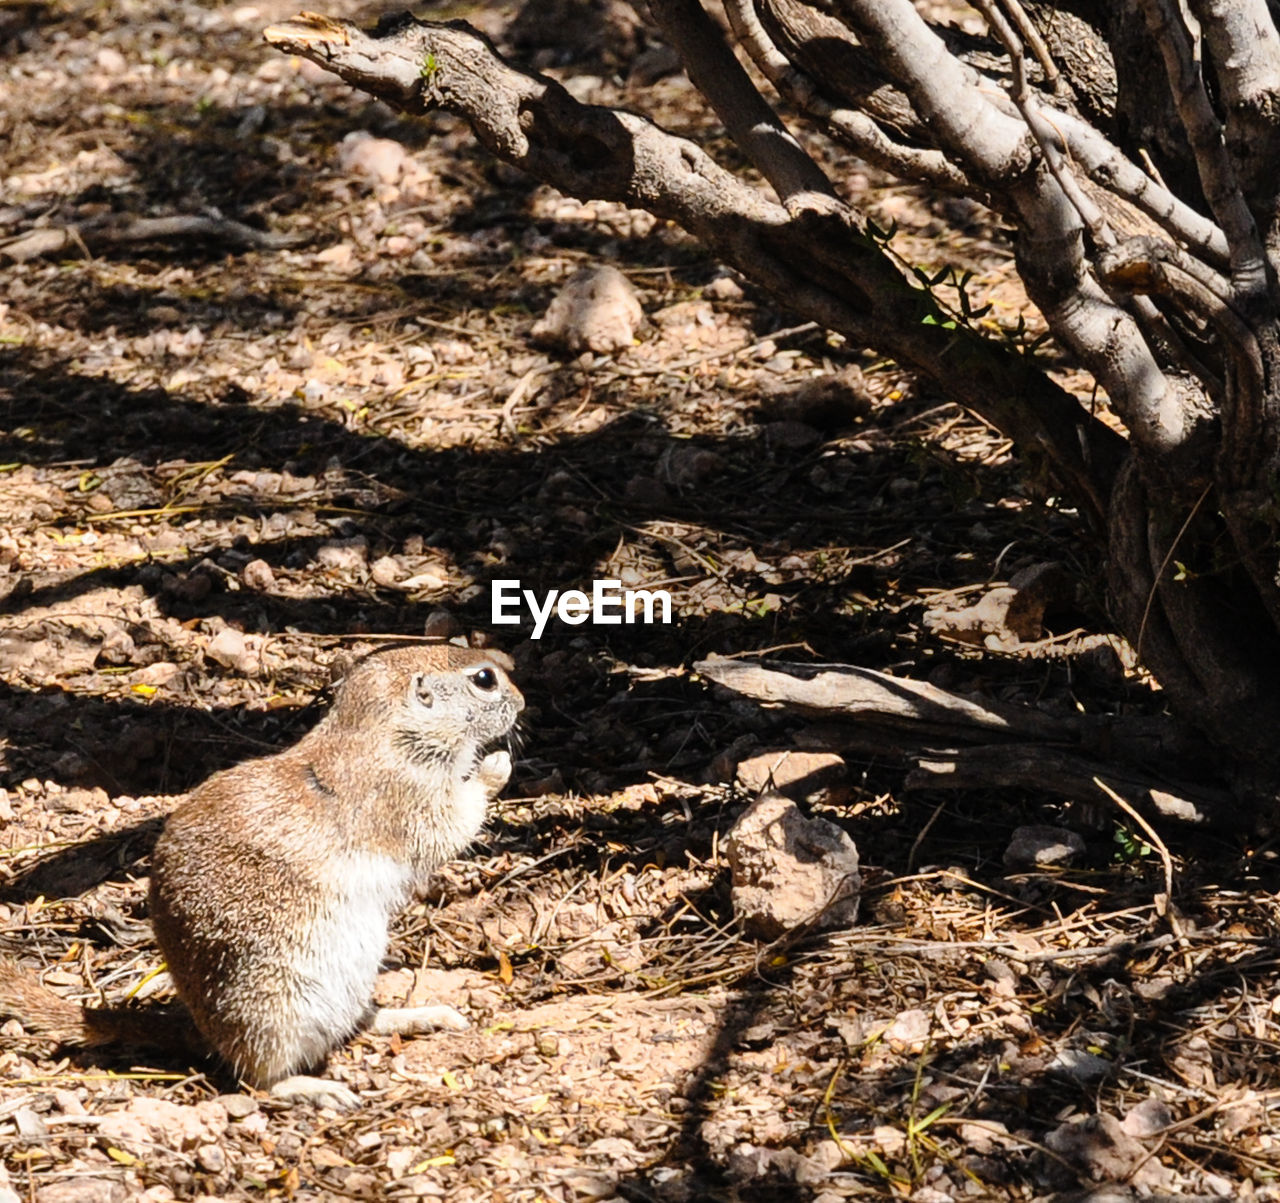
{"type": "Point", "coordinates": [1134, 150]}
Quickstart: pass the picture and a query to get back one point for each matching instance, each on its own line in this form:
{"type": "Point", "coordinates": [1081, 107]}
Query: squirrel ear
{"type": "Point", "coordinates": [422, 690]}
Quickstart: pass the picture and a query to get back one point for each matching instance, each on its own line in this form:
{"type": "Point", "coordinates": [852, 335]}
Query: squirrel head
{"type": "Point", "coordinates": [439, 702]}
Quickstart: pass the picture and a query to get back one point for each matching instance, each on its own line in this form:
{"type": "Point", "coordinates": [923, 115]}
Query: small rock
{"type": "Point", "coordinates": [1008, 615]}
{"type": "Point", "coordinates": [159, 673]}
{"type": "Point", "coordinates": [157, 1121]}
{"type": "Point", "coordinates": [237, 1106]}
{"type": "Point", "coordinates": [117, 648]}
{"type": "Point", "coordinates": [378, 160]}
{"type": "Point", "coordinates": [227, 648]}
{"type": "Point", "coordinates": [985, 623]}
{"type": "Point", "coordinates": [596, 310]}
{"type": "Point", "coordinates": [83, 1190]}
{"type": "Point", "coordinates": [433, 576]}
{"type": "Point", "coordinates": [1235, 1119]}
{"type": "Point", "coordinates": [1098, 1147]}
{"type": "Point", "coordinates": [441, 624]}
{"type": "Point", "coordinates": [796, 774]}
{"type": "Point", "coordinates": [786, 869]}
{"type": "Point", "coordinates": [910, 1028]}
{"type": "Point", "coordinates": [1001, 975]}
{"type": "Point", "coordinates": [257, 574]}
{"type": "Point", "coordinates": [67, 1100]}
{"type": "Point", "coordinates": [386, 571]}
{"type": "Point", "coordinates": [1148, 1119]}
{"type": "Point", "coordinates": [1193, 1061]}
{"type": "Point", "coordinates": [29, 1123]}
{"type": "Point", "coordinates": [587, 1185]}
{"type": "Point", "coordinates": [123, 1128]}
{"type": "Point", "coordinates": [111, 60]}
{"type": "Point", "coordinates": [723, 288]}
{"type": "Point", "coordinates": [211, 1158]}
{"type": "Point", "coordinates": [548, 1044]}
{"type": "Point", "coordinates": [889, 1139]}
{"type": "Point", "coordinates": [343, 555]}
{"type": "Point", "coordinates": [985, 1137]}
{"type": "Point", "coordinates": [1219, 1187]}
{"type": "Point", "coordinates": [1042, 845]}
{"type": "Point", "coordinates": [1079, 1065]}
{"type": "Point", "coordinates": [339, 255]}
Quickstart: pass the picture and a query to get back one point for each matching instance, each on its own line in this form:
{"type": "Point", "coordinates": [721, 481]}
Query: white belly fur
{"type": "Point", "coordinates": [345, 947]}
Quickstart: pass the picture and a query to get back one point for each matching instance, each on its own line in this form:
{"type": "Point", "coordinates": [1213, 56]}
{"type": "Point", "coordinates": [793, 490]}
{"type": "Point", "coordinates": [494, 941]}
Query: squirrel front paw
{"type": "Point", "coordinates": [494, 772]}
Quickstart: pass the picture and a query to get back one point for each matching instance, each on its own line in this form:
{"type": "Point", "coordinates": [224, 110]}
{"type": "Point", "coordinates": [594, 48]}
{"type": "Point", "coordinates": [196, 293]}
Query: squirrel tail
{"type": "Point", "coordinates": [48, 1016]}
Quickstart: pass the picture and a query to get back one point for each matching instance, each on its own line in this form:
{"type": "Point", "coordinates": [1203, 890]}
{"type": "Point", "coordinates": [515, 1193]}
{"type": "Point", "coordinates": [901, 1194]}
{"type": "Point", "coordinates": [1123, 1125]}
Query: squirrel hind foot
{"type": "Point", "coordinates": [319, 1092]}
{"type": "Point", "coordinates": [411, 1021]}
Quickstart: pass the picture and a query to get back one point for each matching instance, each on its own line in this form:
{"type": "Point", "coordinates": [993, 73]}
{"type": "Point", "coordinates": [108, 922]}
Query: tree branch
{"type": "Point", "coordinates": [824, 51]}
{"type": "Point", "coordinates": [1054, 266]}
{"type": "Point", "coordinates": [991, 143]}
{"type": "Point", "coordinates": [1242, 39]}
{"type": "Point", "coordinates": [855, 129]}
{"type": "Point", "coordinates": [751, 123]}
{"type": "Point", "coordinates": [819, 261]}
{"type": "Point", "coordinates": [1217, 176]}
{"type": "Point", "coordinates": [953, 742]}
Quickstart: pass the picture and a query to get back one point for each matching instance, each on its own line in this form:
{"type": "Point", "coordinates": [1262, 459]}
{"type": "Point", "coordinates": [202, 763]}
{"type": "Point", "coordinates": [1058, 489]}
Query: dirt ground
{"type": "Point", "coordinates": [228, 462]}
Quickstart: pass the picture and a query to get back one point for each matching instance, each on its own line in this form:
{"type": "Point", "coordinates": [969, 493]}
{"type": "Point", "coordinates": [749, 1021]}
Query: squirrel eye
{"type": "Point", "coordinates": [485, 679]}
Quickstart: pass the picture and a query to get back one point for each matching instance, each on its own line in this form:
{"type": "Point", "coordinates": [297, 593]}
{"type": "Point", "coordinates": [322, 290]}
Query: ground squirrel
{"type": "Point", "coordinates": [272, 886]}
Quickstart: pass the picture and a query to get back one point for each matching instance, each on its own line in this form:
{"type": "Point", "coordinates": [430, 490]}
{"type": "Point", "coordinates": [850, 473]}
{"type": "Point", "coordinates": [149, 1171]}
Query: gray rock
{"type": "Point", "coordinates": [1032, 846]}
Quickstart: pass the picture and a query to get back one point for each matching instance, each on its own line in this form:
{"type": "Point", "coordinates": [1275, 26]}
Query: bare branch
{"type": "Point", "coordinates": [855, 129]}
{"type": "Point", "coordinates": [752, 124]}
{"type": "Point", "coordinates": [1031, 35]}
{"type": "Point", "coordinates": [1047, 138]}
{"type": "Point", "coordinates": [100, 233]}
{"type": "Point", "coordinates": [1164, 415]}
{"type": "Point", "coordinates": [1150, 265]}
{"type": "Point", "coordinates": [1107, 166]}
{"type": "Point", "coordinates": [823, 49]}
{"type": "Point", "coordinates": [955, 742]}
{"type": "Point", "coordinates": [1217, 176]}
{"type": "Point", "coordinates": [991, 143]}
{"type": "Point", "coordinates": [1242, 39]}
{"type": "Point", "coordinates": [984, 135]}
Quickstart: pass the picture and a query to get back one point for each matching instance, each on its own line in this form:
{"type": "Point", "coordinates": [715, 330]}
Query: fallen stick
{"type": "Point", "coordinates": [952, 742]}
